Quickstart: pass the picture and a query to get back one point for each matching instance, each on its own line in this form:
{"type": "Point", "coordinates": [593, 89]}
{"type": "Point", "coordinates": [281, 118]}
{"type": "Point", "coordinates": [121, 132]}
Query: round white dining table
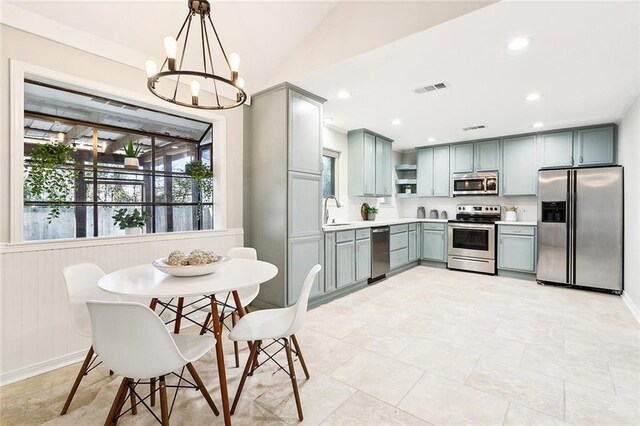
{"type": "Point", "coordinates": [236, 274]}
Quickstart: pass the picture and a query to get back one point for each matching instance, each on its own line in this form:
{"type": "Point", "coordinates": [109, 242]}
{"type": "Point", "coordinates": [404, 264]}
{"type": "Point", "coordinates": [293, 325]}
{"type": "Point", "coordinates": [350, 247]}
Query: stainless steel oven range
{"type": "Point", "coordinates": [472, 239]}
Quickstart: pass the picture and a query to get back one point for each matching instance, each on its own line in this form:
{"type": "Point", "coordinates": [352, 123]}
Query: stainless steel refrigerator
{"type": "Point", "coordinates": [580, 227]}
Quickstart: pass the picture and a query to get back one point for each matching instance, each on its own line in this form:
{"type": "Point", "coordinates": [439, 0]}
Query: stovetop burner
{"type": "Point", "coordinates": [477, 214]}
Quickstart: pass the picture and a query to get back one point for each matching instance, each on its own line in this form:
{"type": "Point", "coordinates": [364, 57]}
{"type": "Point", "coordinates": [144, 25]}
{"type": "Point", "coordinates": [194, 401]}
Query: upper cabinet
{"type": "Point", "coordinates": [305, 138]}
{"type": "Point", "coordinates": [519, 170]}
{"type": "Point", "coordinates": [592, 146]}
{"type": "Point", "coordinates": [433, 172]}
{"type": "Point", "coordinates": [472, 157]}
{"type": "Point", "coordinates": [370, 158]}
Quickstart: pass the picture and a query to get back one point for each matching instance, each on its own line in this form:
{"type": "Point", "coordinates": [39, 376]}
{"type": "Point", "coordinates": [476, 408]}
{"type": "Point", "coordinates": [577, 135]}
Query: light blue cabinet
{"type": "Point", "coordinates": [305, 204]}
{"type": "Point", "coordinates": [305, 134]}
{"type": "Point", "coordinates": [519, 170]}
{"type": "Point", "coordinates": [556, 149]}
{"type": "Point", "coordinates": [304, 253]}
{"type": "Point", "coordinates": [370, 158]}
{"type": "Point", "coordinates": [413, 245]}
{"type": "Point", "coordinates": [345, 263]}
{"type": "Point", "coordinates": [517, 248]}
{"type": "Point", "coordinates": [329, 267]}
{"type": "Point", "coordinates": [434, 242]}
{"type": "Point", "coordinates": [363, 259]}
{"type": "Point", "coordinates": [425, 172]}
{"type": "Point", "coordinates": [462, 158]}
{"type": "Point", "coordinates": [433, 172]}
{"type": "Point", "coordinates": [487, 155]}
{"type": "Point", "coordinates": [595, 146]}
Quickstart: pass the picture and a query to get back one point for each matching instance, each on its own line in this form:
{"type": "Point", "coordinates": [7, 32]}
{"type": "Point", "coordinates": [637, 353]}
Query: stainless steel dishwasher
{"type": "Point", "coordinates": [379, 252]}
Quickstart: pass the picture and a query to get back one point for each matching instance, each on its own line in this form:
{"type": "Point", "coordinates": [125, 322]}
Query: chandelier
{"type": "Point", "coordinates": [171, 72]}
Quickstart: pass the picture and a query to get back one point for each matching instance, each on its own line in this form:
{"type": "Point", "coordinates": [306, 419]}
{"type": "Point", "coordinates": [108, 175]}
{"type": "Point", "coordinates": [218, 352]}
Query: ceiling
{"type": "Point", "coordinates": [582, 59]}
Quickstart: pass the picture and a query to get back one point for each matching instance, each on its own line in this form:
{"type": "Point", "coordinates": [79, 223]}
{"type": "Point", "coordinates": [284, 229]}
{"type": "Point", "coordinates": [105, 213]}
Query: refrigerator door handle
{"type": "Point", "coordinates": [574, 216]}
{"type": "Point", "coordinates": [569, 220]}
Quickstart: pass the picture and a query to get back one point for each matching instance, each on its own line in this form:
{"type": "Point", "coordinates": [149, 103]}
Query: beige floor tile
{"type": "Point", "coordinates": [364, 410]}
{"type": "Point", "coordinates": [531, 331]}
{"type": "Point", "coordinates": [533, 390]}
{"type": "Point", "coordinates": [380, 339]}
{"type": "Point", "coordinates": [589, 407]}
{"type": "Point", "coordinates": [575, 369]}
{"type": "Point", "coordinates": [496, 348]}
{"type": "Point", "coordinates": [626, 382]}
{"type": "Point", "coordinates": [324, 353]}
{"type": "Point", "coordinates": [517, 415]}
{"type": "Point", "coordinates": [439, 358]}
{"type": "Point", "coordinates": [386, 379]}
{"type": "Point", "coordinates": [441, 401]}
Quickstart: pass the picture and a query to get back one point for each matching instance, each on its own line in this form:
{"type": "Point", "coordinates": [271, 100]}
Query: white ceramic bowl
{"type": "Point", "coordinates": [189, 270]}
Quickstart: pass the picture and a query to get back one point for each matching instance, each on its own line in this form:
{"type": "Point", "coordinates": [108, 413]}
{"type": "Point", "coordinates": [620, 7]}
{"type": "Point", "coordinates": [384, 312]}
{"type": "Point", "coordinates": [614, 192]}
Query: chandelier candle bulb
{"type": "Point", "coordinates": [151, 68]}
{"type": "Point", "coordinates": [171, 48]}
{"type": "Point", "coordinates": [234, 65]}
{"type": "Point", "coordinates": [195, 90]}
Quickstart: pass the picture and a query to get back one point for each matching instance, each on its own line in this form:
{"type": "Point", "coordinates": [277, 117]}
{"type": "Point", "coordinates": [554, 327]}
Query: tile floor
{"type": "Point", "coordinates": [428, 346]}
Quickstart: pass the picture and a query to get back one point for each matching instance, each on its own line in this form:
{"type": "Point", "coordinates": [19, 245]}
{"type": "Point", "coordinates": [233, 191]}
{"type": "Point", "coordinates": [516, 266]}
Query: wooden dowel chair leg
{"type": "Point", "coordinates": [294, 382]}
{"type": "Point", "coordinates": [254, 361]}
{"type": "Point", "coordinates": [116, 406]}
{"type": "Point", "coordinates": [203, 388]}
{"type": "Point", "coordinates": [300, 357]}
{"type": "Point", "coordinates": [176, 325]}
{"type": "Point", "coordinates": [132, 396]}
{"type": "Point", "coordinates": [234, 320]}
{"type": "Point", "coordinates": [164, 404]}
{"type": "Point", "coordinates": [152, 389]}
{"type": "Point", "coordinates": [205, 324]}
{"type": "Point", "coordinates": [245, 373]}
{"type": "Point", "coordinates": [79, 377]}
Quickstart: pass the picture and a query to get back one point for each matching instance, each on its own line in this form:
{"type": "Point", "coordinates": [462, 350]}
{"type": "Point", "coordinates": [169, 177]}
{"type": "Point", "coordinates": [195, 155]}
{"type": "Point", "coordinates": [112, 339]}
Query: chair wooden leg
{"type": "Point", "coordinates": [111, 372]}
{"type": "Point", "coordinates": [164, 404]}
{"type": "Point", "coordinates": [294, 382]}
{"type": "Point", "coordinates": [205, 324]}
{"type": "Point", "coordinates": [176, 325]}
{"type": "Point", "coordinates": [79, 376]}
{"type": "Point", "coordinates": [235, 344]}
{"type": "Point", "coordinates": [152, 386]}
{"type": "Point", "coordinates": [116, 406]}
{"type": "Point", "coordinates": [203, 388]}
{"type": "Point", "coordinates": [132, 397]}
{"type": "Point", "coordinates": [300, 357]}
{"type": "Point", "coordinates": [254, 361]}
{"type": "Point", "coordinates": [245, 373]}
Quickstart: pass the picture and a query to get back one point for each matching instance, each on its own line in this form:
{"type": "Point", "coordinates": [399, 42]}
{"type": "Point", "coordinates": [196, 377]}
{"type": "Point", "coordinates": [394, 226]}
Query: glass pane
{"type": "Point", "coordinates": [112, 147]}
{"type": "Point", "coordinates": [176, 218]}
{"type": "Point", "coordinates": [472, 239]}
{"type": "Point", "coordinates": [37, 226]}
{"type": "Point", "coordinates": [328, 176]}
{"type": "Point", "coordinates": [106, 225]}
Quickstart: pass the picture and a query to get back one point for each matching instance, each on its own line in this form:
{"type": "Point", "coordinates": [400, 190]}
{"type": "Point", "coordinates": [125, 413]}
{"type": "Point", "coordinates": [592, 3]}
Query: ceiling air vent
{"type": "Point", "coordinates": [430, 88]}
{"type": "Point", "coordinates": [482, 126]}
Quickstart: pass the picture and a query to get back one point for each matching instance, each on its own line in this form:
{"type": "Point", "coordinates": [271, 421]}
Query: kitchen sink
{"type": "Point", "coordinates": [337, 224]}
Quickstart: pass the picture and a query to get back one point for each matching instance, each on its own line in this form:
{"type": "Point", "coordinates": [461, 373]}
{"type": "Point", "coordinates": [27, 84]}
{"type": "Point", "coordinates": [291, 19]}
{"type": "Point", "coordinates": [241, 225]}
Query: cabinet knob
{"type": "Point", "coordinates": [581, 159]}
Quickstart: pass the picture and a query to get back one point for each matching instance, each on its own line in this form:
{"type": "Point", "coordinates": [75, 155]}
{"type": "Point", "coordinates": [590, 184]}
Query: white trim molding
{"type": "Point", "coordinates": [635, 310]}
{"type": "Point", "coordinates": [19, 71]}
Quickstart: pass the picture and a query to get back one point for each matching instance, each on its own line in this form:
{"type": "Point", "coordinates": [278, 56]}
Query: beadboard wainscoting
{"type": "Point", "coordinates": [37, 335]}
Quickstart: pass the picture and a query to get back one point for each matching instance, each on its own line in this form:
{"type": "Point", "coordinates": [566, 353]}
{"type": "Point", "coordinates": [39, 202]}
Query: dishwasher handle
{"type": "Point", "coordinates": [380, 229]}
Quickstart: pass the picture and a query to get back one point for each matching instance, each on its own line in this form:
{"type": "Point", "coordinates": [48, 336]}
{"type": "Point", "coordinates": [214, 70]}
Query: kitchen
{"type": "Point", "coordinates": [435, 201]}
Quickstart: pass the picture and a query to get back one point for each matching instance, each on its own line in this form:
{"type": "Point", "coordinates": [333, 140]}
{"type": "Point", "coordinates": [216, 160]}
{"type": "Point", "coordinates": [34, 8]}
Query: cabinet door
{"type": "Point", "coordinates": [462, 158]}
{"type": "Point", "coordinates": [517, 253]}
{"type": "Point", "coordinates": [369, 164]}
{"type": "Point", "coordinates": [441, 175]}
{"type": "Point", "coordinates": [487, 155]}
{"type": "Point", "coordinates": [519, 171]}
{"type": "Point", "coordinates": [329, 261]}
{"type": "Point", "coordinates": [433, 245]}
{"type": "Point", "coordinates": [425, 172]}
{"type": "Point", "coordinates": [305, 134]}
{"type": "Point", "coordinates": [595, 146]}
{"type": "Point", "coordinates": [304, 253]}
{"type": "Point", "coordinates": [413, 246]}
{"type": "Point", "coordinates": [556, 149]}
{"type": "Point", "coordinates": [345, 264]}
{"type": "Point", "coordinates": [363, 259]}
{"type": "Point", "coordinates": [383, 167]}
{"type": "Point", "coordinates": [305, 205]}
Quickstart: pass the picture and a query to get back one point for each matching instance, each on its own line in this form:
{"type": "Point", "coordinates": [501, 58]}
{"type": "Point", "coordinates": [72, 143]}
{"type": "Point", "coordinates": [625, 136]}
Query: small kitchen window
{"type": "Point", "coordinates": [329, 173]}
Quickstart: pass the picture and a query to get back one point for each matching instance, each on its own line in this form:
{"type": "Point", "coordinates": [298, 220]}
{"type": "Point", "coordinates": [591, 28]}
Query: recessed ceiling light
{"type": "Point", "coordinates": [518, 43]}
{"type": "Point", "coordinates": [174, 147]}
{"type": "Point", "coordinates": [431, 140]}
{"type": "Point", "coordinates": [395, 122]}
{"type": "Point", "coordinates": [533, 96]}
{"type": "Point", "coordinates": [538, 124]}
{"type": "Point", "coordinates": [343, 94]}
{"type": "Point", "coordinates": [328, 120]}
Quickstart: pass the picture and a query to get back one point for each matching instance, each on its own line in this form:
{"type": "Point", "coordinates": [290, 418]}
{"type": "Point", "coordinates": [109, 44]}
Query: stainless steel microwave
{"type": "Point", "coordinates": [485, 183]}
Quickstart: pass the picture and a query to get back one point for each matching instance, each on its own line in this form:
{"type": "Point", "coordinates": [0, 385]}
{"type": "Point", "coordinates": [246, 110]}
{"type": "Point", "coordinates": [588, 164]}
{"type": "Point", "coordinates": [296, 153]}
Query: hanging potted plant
{"type": "Point", "coordinates": [50, 177]}
{"type": "Point", "coordinates": [371, 212]}
{"type": "Point", "coordinates": [203, 175]}
{"type": "Point", "coordinates": [131, 152]}
{"type": "Point", "coordinates": [132, 223]}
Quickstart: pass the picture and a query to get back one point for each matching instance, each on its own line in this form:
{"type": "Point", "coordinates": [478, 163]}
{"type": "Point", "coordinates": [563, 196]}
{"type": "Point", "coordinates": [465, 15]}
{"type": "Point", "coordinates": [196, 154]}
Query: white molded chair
{"type": "Point", "coordinates": [82, 285]}
{"type": "Point", "coordinates": [135, 343]}
{"type": "Point", "coordinates": [276, 324]}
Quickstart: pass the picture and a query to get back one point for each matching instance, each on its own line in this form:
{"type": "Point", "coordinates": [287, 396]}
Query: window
{"type": "Point", "coordinates": [329, 175]}
{"type": "Point", "coordinates": [98, 182]}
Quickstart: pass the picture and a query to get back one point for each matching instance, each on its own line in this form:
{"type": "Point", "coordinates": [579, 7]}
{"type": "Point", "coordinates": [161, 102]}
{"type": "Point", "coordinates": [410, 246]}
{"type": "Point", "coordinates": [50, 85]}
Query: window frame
{"type": "Point", "coordinates": [326, 152]}
{"type": "Point", "coordinates": [21, 72]}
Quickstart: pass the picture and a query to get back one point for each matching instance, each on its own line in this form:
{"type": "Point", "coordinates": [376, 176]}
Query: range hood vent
{"type": "Point", "coordinates": [430, 88]}
{"type": "Point", "coordinates": [466, 129]}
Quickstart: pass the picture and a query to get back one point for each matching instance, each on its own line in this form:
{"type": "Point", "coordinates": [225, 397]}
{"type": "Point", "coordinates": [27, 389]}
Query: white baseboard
{"type": "Point", "coordinates": [632, 306]}
{"type": "Point", "coordinates": [59, 362]}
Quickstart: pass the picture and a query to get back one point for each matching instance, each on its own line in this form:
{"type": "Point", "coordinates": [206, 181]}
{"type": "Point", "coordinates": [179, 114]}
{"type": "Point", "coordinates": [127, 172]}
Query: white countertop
{"type": "Point", "coordinates": [516, 222]}
{"type": "Point", "coordinates": [379, 222]}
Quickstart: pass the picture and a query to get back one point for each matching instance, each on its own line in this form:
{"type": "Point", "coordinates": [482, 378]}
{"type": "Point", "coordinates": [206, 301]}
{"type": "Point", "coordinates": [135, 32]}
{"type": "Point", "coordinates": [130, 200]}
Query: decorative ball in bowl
{"type": "Point", "coordinates": [198, 262]}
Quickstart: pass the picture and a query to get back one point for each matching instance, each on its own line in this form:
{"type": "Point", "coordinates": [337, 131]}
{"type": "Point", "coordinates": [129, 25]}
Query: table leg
{"type": "Point", "coordinates": [176, 326]}
{"type": "Point", "coordinates": [241, 312]}
{"type": "Point", "coordinates": [153, 304]}
{"type": "Point", "coordinates": [222, 375]}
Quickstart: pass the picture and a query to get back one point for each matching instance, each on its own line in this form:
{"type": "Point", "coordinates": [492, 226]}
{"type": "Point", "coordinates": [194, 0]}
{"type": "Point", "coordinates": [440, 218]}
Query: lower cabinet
{"type": "Point", "coordinates": [345, 263]}
{"type": "Point", "coordinates": [352, 257]}
{"type": "Point", "coordinates": [304, 253]}
{"type": "Point", "coordinates": [398, 246]}
{"type": "Point", "coordinates": [363, 259]}
{"type": "Point", "coordinates": [434, 242]}
{"type": "Point", "coordinates": [329, 261]}
{"type": "Point", "coordinates": [517, 248]}
{"type": "Point", "coordinates": [413, 244]}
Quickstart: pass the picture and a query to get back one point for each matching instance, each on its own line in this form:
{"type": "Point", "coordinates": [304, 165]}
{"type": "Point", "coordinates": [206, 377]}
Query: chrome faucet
{"type": "Point", "coordinates": [326, 210]}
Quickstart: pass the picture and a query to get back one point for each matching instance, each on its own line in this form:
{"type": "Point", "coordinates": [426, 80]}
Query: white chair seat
{"type": "Point", "coordinates": [193, 347]}
{"type": "Point", "coordinates": [263, 325]}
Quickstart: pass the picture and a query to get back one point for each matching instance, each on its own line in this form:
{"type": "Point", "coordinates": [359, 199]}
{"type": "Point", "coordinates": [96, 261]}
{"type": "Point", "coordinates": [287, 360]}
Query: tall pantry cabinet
{"type": "Point", "coordinates": [283, 157]}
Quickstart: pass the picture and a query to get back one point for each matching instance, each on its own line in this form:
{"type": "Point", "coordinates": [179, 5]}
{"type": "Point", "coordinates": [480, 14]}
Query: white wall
{"type": "Point", "coordinates": [629, 157]}
{"type": "Point", "coordinates": [35, 330]}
